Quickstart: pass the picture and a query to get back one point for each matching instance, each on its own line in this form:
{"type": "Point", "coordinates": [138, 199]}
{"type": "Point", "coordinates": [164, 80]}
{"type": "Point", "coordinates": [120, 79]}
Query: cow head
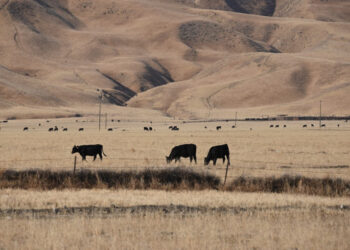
{"type": "Point", "coordinates": [206, 161]}
{"type": "Point", "coordinates": [75, 149]}
{"type": "Point", "coordinates": [168, 159]}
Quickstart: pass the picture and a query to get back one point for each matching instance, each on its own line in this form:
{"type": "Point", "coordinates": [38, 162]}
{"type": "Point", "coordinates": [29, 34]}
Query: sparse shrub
{"type": "Point", "coordinates": [292, 184]}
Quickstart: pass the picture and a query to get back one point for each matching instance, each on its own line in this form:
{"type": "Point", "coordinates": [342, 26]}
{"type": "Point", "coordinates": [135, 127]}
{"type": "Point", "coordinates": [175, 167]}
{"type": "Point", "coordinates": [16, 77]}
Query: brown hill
{"type": "Point", "coordinates": [186, 58]}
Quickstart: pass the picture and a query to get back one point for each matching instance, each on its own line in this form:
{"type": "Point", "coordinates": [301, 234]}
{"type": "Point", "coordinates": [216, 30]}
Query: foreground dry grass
{"type": "Point", "coordinates": [27, 199]}
{"type": "Point", "coordinates": [304, 229]}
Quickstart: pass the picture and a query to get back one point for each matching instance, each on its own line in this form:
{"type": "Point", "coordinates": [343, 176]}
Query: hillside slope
{"type": "Point", "coordinates": [185, 58]}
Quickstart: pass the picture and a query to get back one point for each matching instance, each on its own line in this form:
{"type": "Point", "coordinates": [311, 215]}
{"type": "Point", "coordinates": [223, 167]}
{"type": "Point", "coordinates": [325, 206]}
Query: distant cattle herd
{"type": "Point", "coordinates": [172, 127]}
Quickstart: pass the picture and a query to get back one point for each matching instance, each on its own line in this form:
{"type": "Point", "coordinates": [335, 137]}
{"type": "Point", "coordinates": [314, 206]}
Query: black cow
{"type": "Point", "coordinates": [284, 126]}
{"type": "Point", "coordinates": [25, 129]}
{"type": "Point", "coordinates": [271, 126]}
{"type": "Point", "coordinates": [305, 126]}
{"type": "Point", "coordinates": [56, 128]}
{"type": "Point", "coordinates": [233, 126]}
{"type": "Point", "coordinates": [312, 125]}
{"type": "Point", "coordinates": [175, 128]}
{"type": "Point", "coordinates": [81, 129]}
{"type": "Point", "coordinates": [170, 127]}
{"type": "Point", "coordinates": [50, 129]}
{"type": "Point", "coordinates": [218, 127]}
{"type": "Point", "coordinates": [92, 150]}
{"type": "Point", "coordinates": [150, 128]}
{"type": "Point", "coordinates": [184, 150]}
{"type": "Point", "coordinates": [323, 125]}
{"type": "Point", "coordinates": [145, 128]}
{"type": "Point", "coordinates": [110, 129]}
{"type": "Point", "coordinates": [277, 126]}
{"type": "Point", "coordinates": [65, 129]}
{"type": "Point", "coordinates": [216, 152]}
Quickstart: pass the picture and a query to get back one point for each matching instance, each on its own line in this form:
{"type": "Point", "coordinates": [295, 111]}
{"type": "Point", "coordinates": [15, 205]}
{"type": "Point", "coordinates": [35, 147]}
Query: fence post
{"type": "Point", "coordinates": [226, 174]}
{"type": "Point", "coordinates": [75, 164]}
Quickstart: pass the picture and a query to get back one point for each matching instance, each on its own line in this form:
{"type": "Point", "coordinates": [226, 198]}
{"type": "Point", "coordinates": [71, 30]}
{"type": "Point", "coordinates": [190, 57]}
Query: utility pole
{"type": "Point", "coordinates": [320, 112]}
{"type": "Point", "coordinates": [99, 113]}
{"type": "Point", "coordinates": [106, 121]}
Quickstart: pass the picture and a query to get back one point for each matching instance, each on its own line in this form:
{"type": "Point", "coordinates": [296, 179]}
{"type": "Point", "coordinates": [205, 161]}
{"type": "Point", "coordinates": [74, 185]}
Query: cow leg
{"type": "Point", "coordinates": [214, 161]}
{"type": "Point", "coordinates": [83, 158]}
{"type": "Point", "coordinates": [223, 160]}
{"type": "Point", "coordinates": [100, 155]}
{"type": "Point", "coordinates": [195, 159]}
{"type": "Point", "coordinates": [94, 157]}
{"type": "Point", "coordinates": [228, 160]}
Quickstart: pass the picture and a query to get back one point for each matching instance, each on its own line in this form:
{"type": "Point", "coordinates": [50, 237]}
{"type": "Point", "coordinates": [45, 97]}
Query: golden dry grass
{"type": "Point", "coordinates": [310, 229]}
{"type": "Point", "coordinates": [258, 152]}
{"type": "Point", "coordinates": [304, 222]}
{"type": "Point", "coordinates": [28, 199]}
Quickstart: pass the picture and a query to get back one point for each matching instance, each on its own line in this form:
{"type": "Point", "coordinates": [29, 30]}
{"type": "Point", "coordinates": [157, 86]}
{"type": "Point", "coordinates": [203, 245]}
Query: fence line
{"type": "Point", "coordinates": [162, 159]}
{"type": "Point", "coordinates": [203, 168]}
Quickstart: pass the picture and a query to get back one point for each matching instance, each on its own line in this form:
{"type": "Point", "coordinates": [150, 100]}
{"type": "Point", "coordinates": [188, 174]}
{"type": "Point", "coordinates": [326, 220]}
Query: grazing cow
{"type": "Point", "coordinates": [150, 129]}
{"type": "Point", "coordinates": [305, 126]}
{"type": "Point", "coordinates": [145, 128]}
{"type": "Point", "coordinates": [25, 129]}
{"type": "Point", "coordinates": [218, 127]}
{"type": "Point", "coordinates": [338, 125]}
{"type": "Point", "coordinates": [233, 126]}
{"type": "Point", "coordinates": [170, 127]}
{"type": "Point", "coordinates": [55, 129]}
{"type": "Point", "coordinates": [175, 128]}
{"type": "Point", "coordinates": [271, 126]}
{"type": "Point", "coordinates": [92, 150]}
{"type": "Point", "coordinates": [312, 125]}
{"type": "Point", "coordinates": [284, 125]}
{"type": "Point", "coordinates": [50, 129]}
{"type": "Point", "coordinates": [277, 126]}
{"type": "Point", "coordinates": [220, 151]}
{"type": "Point", "coordinates": [185, 150]}
{"type": "Point", "coordinates": [65, 129]}
{"type": "Point", "coordinates": [110, 129]}
{"type": "Point", "coordinates": [323, 125]}
{"type": "Point", "coordinates": [81, 129]}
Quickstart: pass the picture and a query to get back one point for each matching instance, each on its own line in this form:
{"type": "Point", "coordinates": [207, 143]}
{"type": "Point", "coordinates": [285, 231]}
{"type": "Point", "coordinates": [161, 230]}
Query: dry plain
{"type": "Point", "coordinates": [176, 219]}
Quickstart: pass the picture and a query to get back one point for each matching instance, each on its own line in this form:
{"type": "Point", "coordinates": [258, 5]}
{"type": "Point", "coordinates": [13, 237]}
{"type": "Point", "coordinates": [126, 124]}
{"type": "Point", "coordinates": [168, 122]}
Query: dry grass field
{"type": "Point", "coordinates": [194, 220]}
{"type": "Point", "coordinates": [292, 229]}
{"type": "Point", "coordinates": [256, 149]}
{"type": "Point", "coordinates": [137, 219]}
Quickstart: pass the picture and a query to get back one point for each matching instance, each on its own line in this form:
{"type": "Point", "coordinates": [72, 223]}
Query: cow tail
{"type": "Point", "coordinates": [103, 153]}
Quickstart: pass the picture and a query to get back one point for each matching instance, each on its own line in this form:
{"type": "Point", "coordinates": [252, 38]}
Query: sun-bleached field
{"type": "Point", "coordinates": [256, 149]}
{"type": "Point", "coordinates": [150, 219]}
{"type": "Point", "coordinates": [310, 229]}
